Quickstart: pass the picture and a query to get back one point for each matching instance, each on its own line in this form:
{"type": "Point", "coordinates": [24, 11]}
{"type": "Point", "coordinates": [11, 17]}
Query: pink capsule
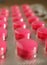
{"type": "Point", "coordinates": [18, 19]}
{"type": "Point", "coordinates": [42, 33]}
{"type": "Point", "coordinates": [22, 33]}
{"type": "Point", "coordinates": [3, 34]}
{"type": "Point", "coordinates": [19, 25]}
{"type": "Point", "coordinates": [3, 24]}
{"type": "Point", "coordinates": [38, 24]}
{"type": "Point", "coordinates": [27, 48]}
{"type": "Point", "coordinates": [3, 49]}
{"type": "Point", "coordinates": [33, 19]}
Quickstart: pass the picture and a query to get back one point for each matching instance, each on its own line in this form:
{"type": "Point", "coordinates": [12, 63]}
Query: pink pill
{"type": "Point", "coordinates": [28, 11]}
{"type": "Point", "coordinates": [22, 33]}
{"type": "Point", "coordinates": [42, 33]}
{"type": "Point", "coordinates": [3, 49]}
{"type": "Point", "coordinates": [3, 24]}
{"type": "Point", "coordinates": [15, 7]}
{"type": "Point", "coordinates": [27, 48]}
{"type": "Point", "coordinates": [18, 19]}
{"type": "Point", "coordinates": [16, 15]}
{"type": "Point", "coordinates": [3, 34]}
{"type": "Point", "coordinates": [33, 19]}
{"type": "Point", "coordinates": [29, 15]}
{"type": "Point", "coordinates": [5, 12]}
{"type": "Point", "coordinates": [3, 18]}
{"type": "Point", "coordinates": [25, 6]}
{"type": "Point", "coordinates": [36, 25]}
{"type": "Point", "coordinates": [15, 11]}
{"type": "Point", "coordinates": [19, 25]}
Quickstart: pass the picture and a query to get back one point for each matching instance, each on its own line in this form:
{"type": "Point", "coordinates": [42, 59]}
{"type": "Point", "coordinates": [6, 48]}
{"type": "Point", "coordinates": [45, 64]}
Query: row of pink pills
{"type": "Point", "coordinates": [37, 25]}
{"type": "Point", "coordinates": [3, 31]}
{"type": "Point", "coordinates": [29, 14]}
{"type": "Point", "coordinates": [26, 47]}
{"type": "Point", "coordinates": [19, 26]}
{"type": "Point", "coordinates": [16, 14]}
{"type": "Point", "coordinates": [17, 18]}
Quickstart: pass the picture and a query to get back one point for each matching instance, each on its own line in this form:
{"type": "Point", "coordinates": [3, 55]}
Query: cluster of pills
{"type": "Point", "coordinates": [19, 25]}
{"type": "Point", "coordinates": [26, 48]}
{"type": "Point", "coordinates": [4, 13]}
{"type": "Point", "coordinates": [37, 25]}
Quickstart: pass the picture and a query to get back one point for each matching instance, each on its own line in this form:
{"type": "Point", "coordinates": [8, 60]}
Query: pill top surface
{"type": "Point", "coordinates": [28, 44]}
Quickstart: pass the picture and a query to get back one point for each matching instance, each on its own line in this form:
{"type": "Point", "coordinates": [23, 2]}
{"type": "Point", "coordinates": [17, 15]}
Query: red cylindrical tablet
{"type": "Point", "coordinates": [42, 33]}
{"type": "Point", "coordinates": [36, 25]}
{"type": "Point", "coordinates": [18, 19]}
{"type": "Point", "coordinates": [22, 33]}
{"type": "Point", "coordinates": [19, 25]}
{"type": "Point", "coordinates": [3, 34]}
{"type": "Point", "coordinates": [33, 19]}
{"type": "Point", "coordinates": [3, 24]}
{"type": "Point", "coordinates": [3, 49]}
{"type": "Point", "coordinates": [27, 48]}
